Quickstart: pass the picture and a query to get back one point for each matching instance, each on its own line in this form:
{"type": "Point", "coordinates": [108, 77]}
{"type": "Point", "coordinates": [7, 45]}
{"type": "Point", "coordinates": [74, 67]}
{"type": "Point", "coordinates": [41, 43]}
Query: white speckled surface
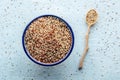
{"type": "Point", "coordinates": [102, 61]}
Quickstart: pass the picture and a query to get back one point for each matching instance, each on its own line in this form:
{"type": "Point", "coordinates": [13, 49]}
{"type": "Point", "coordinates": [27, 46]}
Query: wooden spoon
{"type": "Point", "coordinates": [91, 19]}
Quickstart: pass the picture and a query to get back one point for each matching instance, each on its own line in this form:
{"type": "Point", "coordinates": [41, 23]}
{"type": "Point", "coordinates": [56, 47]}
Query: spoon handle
{"type": "Point", "coordinates": [85, 50]}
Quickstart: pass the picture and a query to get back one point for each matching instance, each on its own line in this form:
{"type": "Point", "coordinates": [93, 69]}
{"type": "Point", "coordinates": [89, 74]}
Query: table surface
{"type": "Point", "coordinates": [102, 61]}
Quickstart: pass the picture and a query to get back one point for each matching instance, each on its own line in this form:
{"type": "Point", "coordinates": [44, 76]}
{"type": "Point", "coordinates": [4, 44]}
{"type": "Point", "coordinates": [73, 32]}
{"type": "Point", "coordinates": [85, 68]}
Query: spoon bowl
{"type": "Point", "coordinates": [91, 17]}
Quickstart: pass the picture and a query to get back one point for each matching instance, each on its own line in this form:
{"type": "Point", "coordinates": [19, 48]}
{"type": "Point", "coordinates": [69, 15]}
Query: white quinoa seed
{"type": "Point", "coordinates": [48, 39]}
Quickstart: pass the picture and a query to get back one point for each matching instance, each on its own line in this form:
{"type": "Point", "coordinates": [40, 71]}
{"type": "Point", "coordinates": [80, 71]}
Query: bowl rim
{"type": "Point", "coordinates": [46, 64]}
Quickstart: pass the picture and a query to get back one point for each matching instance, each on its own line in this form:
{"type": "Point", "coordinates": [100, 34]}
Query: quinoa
{"type": "Point", "coordinates": [91, 16]}
{"type": "Point", "coordinates": [48, 39]}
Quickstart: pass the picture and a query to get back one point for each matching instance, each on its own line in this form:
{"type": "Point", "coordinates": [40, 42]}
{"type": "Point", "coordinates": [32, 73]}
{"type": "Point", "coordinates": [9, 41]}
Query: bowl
{"type": "Point", "coordinates": [48, 64]}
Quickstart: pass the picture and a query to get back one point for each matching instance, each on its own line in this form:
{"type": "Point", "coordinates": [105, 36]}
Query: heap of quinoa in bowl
{"type": "Point", "coordinates": [48, 40]}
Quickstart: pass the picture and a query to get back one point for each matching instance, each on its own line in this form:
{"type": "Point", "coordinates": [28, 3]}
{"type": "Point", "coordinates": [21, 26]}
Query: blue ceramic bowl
{"type": "Point", "coordinates": [46, 64]}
